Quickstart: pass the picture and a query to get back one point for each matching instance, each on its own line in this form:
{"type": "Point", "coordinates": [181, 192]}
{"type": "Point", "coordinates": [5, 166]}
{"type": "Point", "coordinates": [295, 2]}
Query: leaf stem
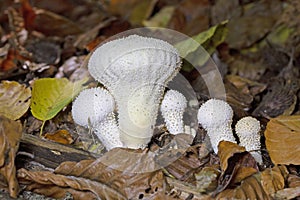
{"type": "Point", "coordinates": [42, 127]}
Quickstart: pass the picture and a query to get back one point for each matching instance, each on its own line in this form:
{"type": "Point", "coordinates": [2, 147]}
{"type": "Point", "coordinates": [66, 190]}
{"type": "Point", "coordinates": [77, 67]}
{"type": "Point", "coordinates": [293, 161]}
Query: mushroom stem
{"type": "Point", "coordinates": [106, 132]}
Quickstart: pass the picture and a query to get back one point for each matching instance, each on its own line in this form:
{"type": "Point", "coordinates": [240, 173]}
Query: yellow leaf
{"type": "Point", "coordinates": [51, 95]}
{"type": "Point", "coordinates": [14, 99]}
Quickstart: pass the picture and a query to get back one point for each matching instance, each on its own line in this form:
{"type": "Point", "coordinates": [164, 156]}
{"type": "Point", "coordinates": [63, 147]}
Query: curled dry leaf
{"type": "Point", "coordinates": [10, 134]}
{"type": "Point", "coordinates": [283, 139]}
{"type": "Point", "coordinates": [273, 179]}
{"type": "Point", "coordinates": [240, 93]}
{"type": "Point", "coordinates": [56, 185]}
{"type": "Point", "coordinates": [236, 164]}
{"type": "Point", "coordinates": [258, 186]}
{"type": "Point", "coordinates": [14, 99]}
{"type": "Point", "coordinates": [281, 99]}
{"type": "Point", "coordinates": [97, 178]}
{"type": "Point", "coordinates": [250, 188]}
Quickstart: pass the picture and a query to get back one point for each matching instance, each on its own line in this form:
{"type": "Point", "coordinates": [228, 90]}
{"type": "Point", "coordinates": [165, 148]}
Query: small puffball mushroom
{"type": "Point", "coordinates": [135, 70]}
{"type": "Point", "coordinates": [95, 107]}
{"type": "Point", "coordinates": [247, 129]}
{"type": "Point", "coordinates": [215, 116]}
{"type": "Point", "coordinates": [172, 109]}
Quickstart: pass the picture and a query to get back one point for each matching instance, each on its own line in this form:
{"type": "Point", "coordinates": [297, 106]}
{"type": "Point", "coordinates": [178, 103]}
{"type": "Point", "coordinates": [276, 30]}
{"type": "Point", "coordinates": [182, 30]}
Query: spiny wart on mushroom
{"type": "Point", "coordinates": [95, 107]}
{"type": "Point", "coordinates": [136, 77]}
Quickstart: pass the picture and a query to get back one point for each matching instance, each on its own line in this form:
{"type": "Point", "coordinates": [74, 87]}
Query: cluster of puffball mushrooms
{"type": "Point", "coordinates": [135, 82]}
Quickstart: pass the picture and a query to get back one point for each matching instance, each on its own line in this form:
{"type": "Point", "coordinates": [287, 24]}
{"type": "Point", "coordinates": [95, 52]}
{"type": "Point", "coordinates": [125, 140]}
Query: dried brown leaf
{"type": "Point", "coordinates": [236, 164]}
{"type": "Point", "coordinates": [280, 99]}
{"type": "Point", "coordinates": [250, 188]}
{"type": "Point", "coordinates": [60, 136]}
{"type": "Point", "coordinates": [258, 186]}
{"type": "Point", "coordinates": [246, 86]}
{"type": "Point", "coordinates": [255, 22]}
{"type": "Point", "coordinates": [293, 180]}
{"type": "Point", "coordinates": [287, 193]}
{"type": "Point", "coordinates": [185, 166]}
{"type": "Point", "coordinates": [14, 99]}
{"type": "Point", "coordinates": [10, 134]}
{"type": "Point", "coordinates": [47, 22]}
{"type": "Point", "coordinates": [283, 139]}
{"type": "Point", "coordinates": [111, 176]}
{"type": "Point", "coordinates": [54, 185]}
{"type": "Point", "coordinates": [273, 179]}
{"type": "Point", "coordinates": [190, 17]}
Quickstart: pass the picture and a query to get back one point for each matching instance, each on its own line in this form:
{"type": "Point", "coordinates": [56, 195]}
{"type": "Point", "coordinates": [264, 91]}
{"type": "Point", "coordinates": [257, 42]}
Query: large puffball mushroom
{"type": "Point", "coordinates": [215, 116]}
{"type": "Point", "coordinates": [94, 107]}
{"type": "Point", "coordinates": [172, 109]}
{"type": "Point", "coordinates": [247, 129]}
{"type": "Point", "coordinates": [135, 70]}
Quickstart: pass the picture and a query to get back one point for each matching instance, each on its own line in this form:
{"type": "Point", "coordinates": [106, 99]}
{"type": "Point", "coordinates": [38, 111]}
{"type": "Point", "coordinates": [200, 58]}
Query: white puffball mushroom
{"type": "Point", "coordinates": [172, 109]}
{"type": "Point", "coordinates": [215, 116]}
{"type": "Point", "coordinates": [95, 107]}
{"type": "Point", "coordinates": [247, 129]}
{"type": "Point", "coordinates": [135, 70]}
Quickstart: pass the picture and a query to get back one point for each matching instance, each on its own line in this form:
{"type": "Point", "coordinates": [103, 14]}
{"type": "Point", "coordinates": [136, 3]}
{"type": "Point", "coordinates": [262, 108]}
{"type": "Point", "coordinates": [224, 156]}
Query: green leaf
{"type": "Point", "coordinates": [198, 49]}
{"type": "Point", "coordinates": [14, 99]}
{"type": "Point", "coordinates": [51, 95]}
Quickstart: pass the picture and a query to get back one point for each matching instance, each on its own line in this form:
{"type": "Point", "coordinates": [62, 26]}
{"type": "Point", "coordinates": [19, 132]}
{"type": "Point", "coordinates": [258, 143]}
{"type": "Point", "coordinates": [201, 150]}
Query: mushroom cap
{"type": "Point", "coordinates": [92, 105]}
{"type": "Point", "coordinates": [214, 113]}
{"type": "Point", "coordinates": [173, 101]}
{"type": "Point", "coordinates": [247, 126]}
{"type": "Point", "coordinates": [247, 130]}
{"type": "Point", "coordinates": [119, 58]}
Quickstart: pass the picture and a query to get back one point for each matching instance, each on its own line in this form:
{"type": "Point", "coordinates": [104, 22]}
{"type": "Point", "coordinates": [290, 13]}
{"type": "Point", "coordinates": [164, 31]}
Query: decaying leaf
{"type": "Point", "coordinates": [283, 139]}
{"type": "Point", "coordinates": [262, 185]}
{"type": "Point", "coordinates": [273, 179]}
{"type": "Point", "coordinates": [10, 134]}
{"type": "Point", "coordinates": [14, 99]}
{"type": "Point", "coordinates": [60, 136]}
{"type": "Point", "coordinates": [250, 188]}
{"type": "Point", "coordinates": [256, 21]}
{"type": "Point", "coordinates": [160, 19]}
{"type": "Point", "coordinates": [55, 185]}
{"type": "Point", "coordinates": [287, 193]}
{"type": "Point", "coordinates": [236, 164]}
{"type": "Point", "coordinates": [50, 95]}
{"type": "Point", "coordinates": [280, 99]}
{"type": "Point", "coordinates": [190, 16]}
{"type": "Point", "coordinates": [136, 10]}
{"type": "Point", "coordinates": [99, 178]}
{"type": "Point", "coordinates": [47, 22]}
{"type": "Point", "coordinates": [207, 179]}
